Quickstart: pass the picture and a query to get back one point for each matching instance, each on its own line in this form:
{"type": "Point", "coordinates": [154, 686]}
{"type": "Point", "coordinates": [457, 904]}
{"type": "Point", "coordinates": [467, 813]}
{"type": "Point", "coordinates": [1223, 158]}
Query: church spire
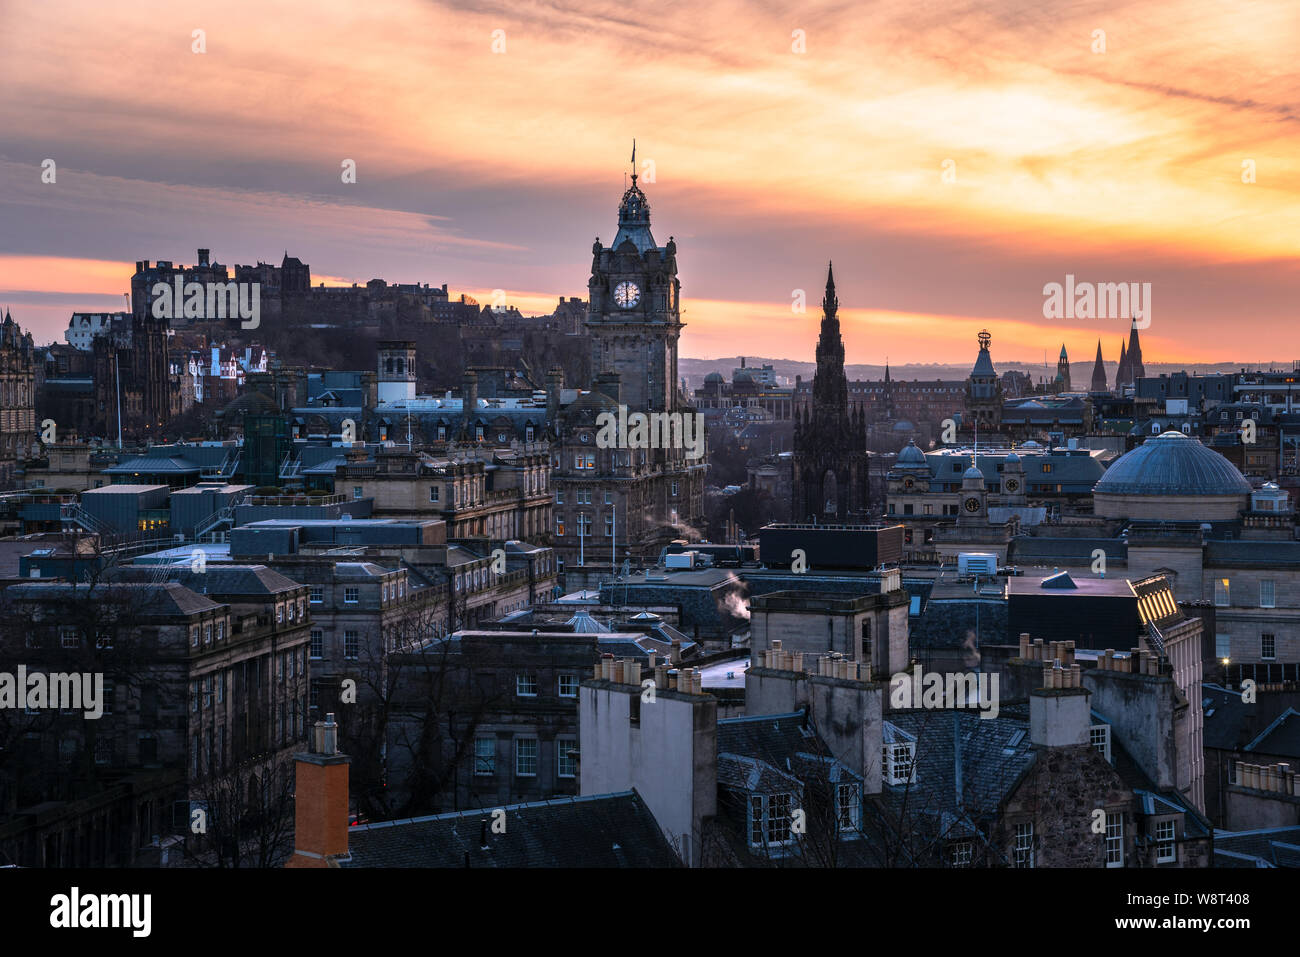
{"type": "Point", "coordinates": [1099, 372]}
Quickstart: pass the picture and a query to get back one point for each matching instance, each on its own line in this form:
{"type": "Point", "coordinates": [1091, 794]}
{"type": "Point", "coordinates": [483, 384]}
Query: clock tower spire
{"type": "Point", "coordinates": [634, 314]}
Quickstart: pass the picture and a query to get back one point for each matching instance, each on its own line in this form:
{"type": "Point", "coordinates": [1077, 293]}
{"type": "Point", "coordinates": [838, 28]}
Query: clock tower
{"type": "Point", "coordinates": [974, 506]}
{"type": "Point", "coordinates": [634, 316]}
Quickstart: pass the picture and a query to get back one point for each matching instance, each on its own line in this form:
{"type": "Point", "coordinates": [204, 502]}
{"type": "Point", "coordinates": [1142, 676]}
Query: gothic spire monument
{"type": "Point", "coordinates": [830, 441]}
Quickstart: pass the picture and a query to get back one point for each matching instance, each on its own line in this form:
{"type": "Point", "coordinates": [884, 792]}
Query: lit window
{"type": "Point", "coordinates": [1166, 851]}
{"type": "Point", "coordinates": [1221, 593]}
{"type": "Point", "coordinates": [526, 757]}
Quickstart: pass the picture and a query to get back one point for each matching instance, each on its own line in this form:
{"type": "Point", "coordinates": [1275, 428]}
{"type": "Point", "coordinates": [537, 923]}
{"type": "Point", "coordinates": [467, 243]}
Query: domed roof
{"type": "Point", "coordinates": [713, 377]}
{"type": "Point", "coordinates": [1172, 464]}
{"type": "Point", "coordinates": [902, 425]}
{"type": "Point", "coordinates": [1011, 457]}
{"type": "Point", "coordinates": [911, 455]}
{"type": "Point", "coordinates": [973, 472]}
{"type": "Point", "coordinates": [743, 375]}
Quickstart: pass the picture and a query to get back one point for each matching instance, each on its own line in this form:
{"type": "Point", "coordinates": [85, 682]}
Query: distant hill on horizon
{"type": "Point", "coordinates": [1080, 372]}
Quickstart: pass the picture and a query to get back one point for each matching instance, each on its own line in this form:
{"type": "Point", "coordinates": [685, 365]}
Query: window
{"type": "Point", "coordinates": [568, 686]}
{"type": "Point", "coordinates": [847, 803]}
{"type": "Point", "coordinates": [526, 686]}
{"type": "Point", "coordinates": [1267, 646]}
{"type": "Point", "coordinates": [961, 854]}
{"type": "Point", "coordinates": [559, 496]}
{"type": "Point", "coordinates": [485, 756]}
{"type": "Point", "coordinates": [676, 486]}
{"type": "Point", "coordinates": [866, 640]}
{"type": "Point", "coordinates": [526, 757]}
{"type": "Point", "coordinates": [1023, 852]}
{"type": "Point", "coordinates": [778, 818]}
{"type": "Point", "coordinates": [194, 696]}
{"type": "Point", "coordinates": [317, 594]}
{"type": "Point", "coordinates": [290, 609]}
{"type": "Point", "coordinates": [1047, 467]}
{"type": "Point", "coordinates": [351, 645]}
{"type": "Point", "coordinates": [1222, 646]}
{"type": "Point", "coordinates": [899, 764]}
{"type": "Point", "coordinates": [1221, 595]}
{"type": "Point", "coordinates": [356, 491]}
{"type": "Point", "coordinates": [1166, 851]}
{"type": "Point", "coordinates": [207, 691]}
{"type": "Point", "coordinates": [279, 668]}
{"type": "Point", "coordinates": [1099, 738]}
{"type": "Point", "coordinates": [221, 687]}
{"type": "Point", "coordinates": [566, 766]}
{"type": "Point", "coordinates": [221, 629]}
{"type": "Point", "coordinates": [279, 614]}
{"type": "Point", "coordinates": [317, 643]}
{"type": "Point", "coordinates": [433, 493]}
{"type": "Point", "coordinates": [68, 637]}
{"type": "Point", "coordinates": [609, 526]}
{"type": "Point", "coordinates": [609, 498]}
{"type": "Point", "coordinates": [1114, 839]}
{"type": "Point", "coordinates": [351, 595]}
{"type": "Point", "coordinates": [756, 821]}
{"type": "Point", "coordinates": [1267, 594]}
{"type": "Point", "coordinates": [194, 636]}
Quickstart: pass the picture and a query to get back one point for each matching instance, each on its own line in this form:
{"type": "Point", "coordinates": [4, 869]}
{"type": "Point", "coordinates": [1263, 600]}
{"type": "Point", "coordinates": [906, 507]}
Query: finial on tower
{"type": "Point", "coordinates": [830, 303]}
{"type": "Point", "coordinates": [985, 337]}
{"type": "Point", "coordinates": [634, 161]}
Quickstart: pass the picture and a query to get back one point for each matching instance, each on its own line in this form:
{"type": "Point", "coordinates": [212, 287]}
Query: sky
{"type": "Point", "coordinates": [951, 158]}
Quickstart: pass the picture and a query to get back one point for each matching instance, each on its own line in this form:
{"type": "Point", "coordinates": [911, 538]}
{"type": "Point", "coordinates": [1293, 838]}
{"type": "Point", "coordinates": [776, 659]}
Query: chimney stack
{"type": "Point", "coordinates": [1059, 715]}
{"type": "Point", "coordinates": [321, 801]}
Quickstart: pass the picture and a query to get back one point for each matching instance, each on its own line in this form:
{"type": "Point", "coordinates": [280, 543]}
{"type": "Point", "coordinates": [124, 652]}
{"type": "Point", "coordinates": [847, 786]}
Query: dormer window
{"type": "Point", "coordinates": [898, 762]}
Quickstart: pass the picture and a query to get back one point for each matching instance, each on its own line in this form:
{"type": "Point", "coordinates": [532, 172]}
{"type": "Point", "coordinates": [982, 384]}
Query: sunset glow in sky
{"type": "Point", "coordinates": [492, 170]}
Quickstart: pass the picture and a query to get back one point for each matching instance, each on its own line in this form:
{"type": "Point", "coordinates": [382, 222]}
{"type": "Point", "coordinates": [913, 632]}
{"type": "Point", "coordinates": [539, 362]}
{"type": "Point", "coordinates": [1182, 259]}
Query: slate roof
{"type": "Point", "coordinates": [1282, 737]}
{"type": "Point", "coordinates": [1027, 550]}
{"type": "Point", "coordinates": [163, 600]}
{"type": "Point", "coordinates": [991, 764]}
{"type": "Point", "coordinates": [609, 830]}
{"type": "Point", "coordinates": [1267, 847]}
{"type": "Point", "coordinates": [218, 579]}
{"type": "Point", "coordinates": [1228, 721]}
{"type": "Point", "coordinates": [946, 623]}
{"type": "Point", "coordinates": [1252, 554]}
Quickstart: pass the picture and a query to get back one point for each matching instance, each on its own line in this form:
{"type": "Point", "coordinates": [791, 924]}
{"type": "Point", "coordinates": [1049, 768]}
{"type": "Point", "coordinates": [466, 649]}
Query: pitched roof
{"type": "Point", "coordinates": [608, 830]}
{"type": "Point", "coordinates": [1267, 847]}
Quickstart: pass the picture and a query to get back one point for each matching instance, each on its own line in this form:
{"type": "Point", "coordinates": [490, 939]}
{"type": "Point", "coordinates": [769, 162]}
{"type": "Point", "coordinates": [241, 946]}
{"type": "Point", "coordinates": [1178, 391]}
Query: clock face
{"type": "Point", "coordinates": [1012, 485]}
{"type": "Point", "coordinates": [972, 505]}
{"type": "Point", "coordinates": [627, 294]}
